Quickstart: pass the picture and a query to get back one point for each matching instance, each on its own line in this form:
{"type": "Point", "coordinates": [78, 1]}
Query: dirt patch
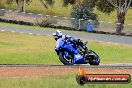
{"type": "Point", "coordinates": [48, 71]}
{"type": "Point", "coordinates": [34, 71]}
{"type": "Point", "coordinates": [109, 71]}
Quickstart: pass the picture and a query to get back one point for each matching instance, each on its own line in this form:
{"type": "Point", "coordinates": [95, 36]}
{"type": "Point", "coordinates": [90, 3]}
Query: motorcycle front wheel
{"type": "Point", "coordinates": [66, 60]}
{"type": "Point", "coordinates": [93, 58]}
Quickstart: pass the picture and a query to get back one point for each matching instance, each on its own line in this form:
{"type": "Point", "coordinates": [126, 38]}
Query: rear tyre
{"type": "Point", "coordinates": [93, 58]}
{"type": "Point", "coordinates": [64, 60]}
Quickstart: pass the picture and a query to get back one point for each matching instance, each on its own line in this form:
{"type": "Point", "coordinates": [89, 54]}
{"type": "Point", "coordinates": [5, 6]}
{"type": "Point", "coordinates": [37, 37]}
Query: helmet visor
{"type": "Point", "coordinates": [55, 37]}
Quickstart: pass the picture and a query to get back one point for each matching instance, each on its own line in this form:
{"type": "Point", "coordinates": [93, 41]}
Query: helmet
{"type": "Point", "coordinates": [57, 34]}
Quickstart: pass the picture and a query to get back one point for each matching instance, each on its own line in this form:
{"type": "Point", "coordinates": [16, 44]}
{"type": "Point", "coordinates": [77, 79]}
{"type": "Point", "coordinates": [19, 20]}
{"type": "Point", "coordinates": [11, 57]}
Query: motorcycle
{"type": "Point", "coordinates": [84, 55]}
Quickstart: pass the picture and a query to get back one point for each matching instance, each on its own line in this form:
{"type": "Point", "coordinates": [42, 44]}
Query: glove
{"type": "Point", "coordinates": [78, 41]}
{"type": "Point", "coordinates": [85, 43]}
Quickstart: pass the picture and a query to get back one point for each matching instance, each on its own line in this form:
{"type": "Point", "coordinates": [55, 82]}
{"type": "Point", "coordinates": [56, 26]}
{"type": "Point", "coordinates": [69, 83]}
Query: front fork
{"type": "Point", "coordinates": [86, 54]}
{"type": "Point", "coordinates": [86, 51]}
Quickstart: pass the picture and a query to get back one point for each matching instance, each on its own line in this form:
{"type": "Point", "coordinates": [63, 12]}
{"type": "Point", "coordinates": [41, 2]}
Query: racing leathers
{"type": "Point", "coordinates": [66, 43]}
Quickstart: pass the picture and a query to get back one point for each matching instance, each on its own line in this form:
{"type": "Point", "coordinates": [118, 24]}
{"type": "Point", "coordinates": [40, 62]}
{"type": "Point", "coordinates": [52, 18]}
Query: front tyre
{"type": "Point", "coordinates": [66, 60]}
{"type": "Point", "coordinates": [93, 58]}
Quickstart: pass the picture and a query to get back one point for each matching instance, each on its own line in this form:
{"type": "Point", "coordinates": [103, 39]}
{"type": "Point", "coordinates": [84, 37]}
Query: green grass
{"type": "Point", "coordinates": [28, 49]}
{"type": "Point", "coordinates": [21, 26]}
{"type": "Point", "coordinates": [63, 81]}
{"type": "Point", "coordinates": [18, 48]}
{"type": "Point", "coordinates": [109, 53]}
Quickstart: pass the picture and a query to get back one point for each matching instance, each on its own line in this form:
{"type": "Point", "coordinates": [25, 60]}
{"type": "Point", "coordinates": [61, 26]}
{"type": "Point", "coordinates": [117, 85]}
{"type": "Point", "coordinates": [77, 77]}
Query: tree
{"type": "Point", "coordinates": [47, 3]}
{"type": "Point", "coordinates": [1, 3]}
{"type": "Point", "coordinates": [122, 7]}
{"type": "Point", "coordinates": [107, 6]}
{"type": "Point", "coordinates": [21, 4]}
{"type": "Point", "coordinates": [84, 11]}
{"type": "Point", "coordinates": [72, 2]}
{"type": "Point", "coordinates": [104, 6]}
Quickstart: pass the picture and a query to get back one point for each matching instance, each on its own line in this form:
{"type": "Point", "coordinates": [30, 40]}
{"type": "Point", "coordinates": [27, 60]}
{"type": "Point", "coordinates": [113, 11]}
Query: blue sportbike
{"type": "Point", "coordinates": [75, 52]}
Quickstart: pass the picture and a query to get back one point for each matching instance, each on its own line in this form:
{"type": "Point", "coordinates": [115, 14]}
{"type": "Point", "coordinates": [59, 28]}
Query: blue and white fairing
{"type": "Point", "coordinates": [78, 59]}
{"type": "Point", "coordinates": [60, 44]}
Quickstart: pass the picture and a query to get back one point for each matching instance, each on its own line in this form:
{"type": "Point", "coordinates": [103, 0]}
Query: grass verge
{"type": "Point", "coordinates": [65, 81]}
{"type": "Point", "coordinates": [18, 48]}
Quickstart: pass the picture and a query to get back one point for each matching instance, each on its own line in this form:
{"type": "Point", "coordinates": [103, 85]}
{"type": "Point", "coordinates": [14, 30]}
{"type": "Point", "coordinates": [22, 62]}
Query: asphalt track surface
{"type": "Point", "coordinates": [119, 66]}
{"type": "Point", "coordinates": [86, 36]}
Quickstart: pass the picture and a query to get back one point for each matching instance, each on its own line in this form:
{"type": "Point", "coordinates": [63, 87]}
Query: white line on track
{"type": "Point", "coordinates": [37, 34]}
{"type": "Point", "coordinates": [107, 42]}
{"type": "Point", "coordinates": [30, 33]}
{"type": "Point", "coordinates": [2, 30]}
{"type": "Point", "coordinates": [12, 31]}
{"type": "Point", "coordinates": [21, 32]}
{"type": "Point", "coordinates": [55, 16]}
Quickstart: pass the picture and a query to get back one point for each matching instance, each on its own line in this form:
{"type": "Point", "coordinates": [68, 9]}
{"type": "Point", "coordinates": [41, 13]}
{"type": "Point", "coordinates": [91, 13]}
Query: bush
{"type": "Point", "coordinates": [47, 22]}
{"type": "Point", "coordinates": [84, 11]}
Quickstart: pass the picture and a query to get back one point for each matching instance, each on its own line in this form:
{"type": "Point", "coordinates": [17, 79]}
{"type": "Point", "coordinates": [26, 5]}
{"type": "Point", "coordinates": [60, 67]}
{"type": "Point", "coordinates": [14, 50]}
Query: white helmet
{"type": "Point", "coordinates": [57, 34]}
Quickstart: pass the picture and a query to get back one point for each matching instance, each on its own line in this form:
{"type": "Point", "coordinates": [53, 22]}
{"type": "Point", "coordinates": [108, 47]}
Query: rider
{"type": "Point", "coordinates": [58, 36]}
